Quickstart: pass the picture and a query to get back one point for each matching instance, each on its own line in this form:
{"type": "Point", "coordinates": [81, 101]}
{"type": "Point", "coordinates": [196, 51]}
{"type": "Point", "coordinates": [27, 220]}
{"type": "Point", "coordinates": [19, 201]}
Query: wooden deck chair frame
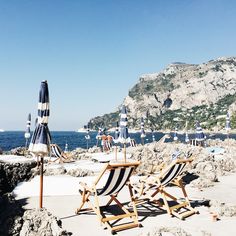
{"type": "Point", "coordinates": [150, 186]}
{"type": "Point", "coordinates": [118, 177]}
{"type": "Point", "coordinates": [61, 156]}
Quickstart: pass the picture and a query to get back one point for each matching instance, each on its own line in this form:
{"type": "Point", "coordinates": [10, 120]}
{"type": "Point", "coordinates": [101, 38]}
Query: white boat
{"type": "Point", "coordinates": [81, 130]}
{"type": "Point", "coordinates": [2, 130]}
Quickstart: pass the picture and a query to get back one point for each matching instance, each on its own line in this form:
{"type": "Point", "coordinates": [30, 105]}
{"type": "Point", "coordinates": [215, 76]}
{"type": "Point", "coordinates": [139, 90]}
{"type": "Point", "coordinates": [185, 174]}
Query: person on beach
{"type": "Point", "coordinates": [109, 140]}
{"type": "Point", "coordinates": [104, 143]}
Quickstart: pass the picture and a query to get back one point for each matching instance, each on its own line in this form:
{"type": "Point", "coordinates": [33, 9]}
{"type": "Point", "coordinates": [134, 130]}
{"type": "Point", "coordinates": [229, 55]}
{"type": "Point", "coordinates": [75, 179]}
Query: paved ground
{"type": "Point", "coordinates": [63, 206]}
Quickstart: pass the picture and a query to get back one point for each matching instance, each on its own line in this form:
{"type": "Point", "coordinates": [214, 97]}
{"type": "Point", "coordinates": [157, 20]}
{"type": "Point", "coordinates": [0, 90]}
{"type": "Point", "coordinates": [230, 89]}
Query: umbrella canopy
{"type": "Point", "coordinates": [124, 133]}
{"type": "Point", "coordinates": [27, 132]}
{"type": "Point", "coordinates": [40, 142]}
{"type": "Point", "coordinates": [227, 123]}
{"type": "Point", "coordinates": [116, 137]}
{"type": "Point", "coordinates": [143, 135]}
{"type": "Point", "coordinates": [199, 136]}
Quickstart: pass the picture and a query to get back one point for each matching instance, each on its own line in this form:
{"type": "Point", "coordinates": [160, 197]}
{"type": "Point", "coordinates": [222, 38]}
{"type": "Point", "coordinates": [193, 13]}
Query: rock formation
{"type": "Point", "coordinates": [178, 93]}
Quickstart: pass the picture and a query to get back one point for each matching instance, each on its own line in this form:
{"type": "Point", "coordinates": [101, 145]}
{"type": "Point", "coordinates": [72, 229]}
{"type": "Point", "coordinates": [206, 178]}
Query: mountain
{"type": "Point", "coordinates": [181, 92]}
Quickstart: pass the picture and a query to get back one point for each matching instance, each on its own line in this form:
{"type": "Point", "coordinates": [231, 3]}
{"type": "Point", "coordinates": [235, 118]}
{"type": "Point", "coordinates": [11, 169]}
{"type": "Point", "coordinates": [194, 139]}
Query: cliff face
{"type": "Point", "coordinates": [181, 92]}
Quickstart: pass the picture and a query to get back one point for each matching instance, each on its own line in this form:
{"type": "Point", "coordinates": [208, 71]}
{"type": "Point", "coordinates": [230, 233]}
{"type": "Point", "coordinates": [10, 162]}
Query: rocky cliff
{"type": "Point", "coordinates": [181, 92]}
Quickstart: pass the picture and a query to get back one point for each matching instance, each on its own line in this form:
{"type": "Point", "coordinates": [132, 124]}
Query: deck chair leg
{"type": "Point", "coordinates": [84, 197]}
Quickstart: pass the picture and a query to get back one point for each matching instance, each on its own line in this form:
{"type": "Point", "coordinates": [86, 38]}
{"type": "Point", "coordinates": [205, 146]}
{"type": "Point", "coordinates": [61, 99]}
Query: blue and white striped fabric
{"type": "Point", "coordinates": [176, 134]}
{"type": "Point", "coordinates": [172, 173]}
{"type": "Point", "coordinates": [124, 133]}
{"type": "Point", "coordinates": [227, 124]}
{"type": "Point", "coordinates": [116, 137]}
{"type": "Point", "coordinates": [40, 142]}
{"type": "Point", "coordinates": [116, 180]}
{"type": "Point", "coordinates": [87, 136]}
{"type": "Point", "coordinates": [27, 133]}
{"type": "Point", "coordinates": [199, 136]}
{"type": "Point", "coordinates": [186, 137]}
{"type": "Point", "coordinates": [143, 135]}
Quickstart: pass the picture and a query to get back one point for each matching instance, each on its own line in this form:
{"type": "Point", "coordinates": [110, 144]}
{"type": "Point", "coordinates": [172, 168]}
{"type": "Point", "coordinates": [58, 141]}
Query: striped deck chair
{"type": "Point", "coordinates": [151, 185]}
{"type": "Point", "coordinates": [115, 177]}
{"type": "Point", "coordinates": [59, 154]}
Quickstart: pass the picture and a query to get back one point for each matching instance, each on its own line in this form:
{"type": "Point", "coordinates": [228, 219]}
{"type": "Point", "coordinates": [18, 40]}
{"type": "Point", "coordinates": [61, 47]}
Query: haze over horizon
{"type": "Point", "coordinates": [92, 52]}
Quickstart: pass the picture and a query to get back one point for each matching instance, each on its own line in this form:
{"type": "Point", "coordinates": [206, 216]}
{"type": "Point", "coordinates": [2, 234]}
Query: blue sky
{"type": "Point", "coordinates": [93, 52]}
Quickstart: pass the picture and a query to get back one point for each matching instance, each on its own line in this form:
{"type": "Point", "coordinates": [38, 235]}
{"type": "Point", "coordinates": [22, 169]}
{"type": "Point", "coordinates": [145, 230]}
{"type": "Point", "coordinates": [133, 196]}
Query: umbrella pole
{"type": "Point", "coordinates": [125, 152]}
{"type": "Point", "coordinates": [142, 141]}
{"type": "Point", "coordinates": [41, 184]}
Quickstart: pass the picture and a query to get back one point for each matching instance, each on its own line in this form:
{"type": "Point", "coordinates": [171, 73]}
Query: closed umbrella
{"type": "Point", "coordinates": [124, 133]}
{"type": "Point", "coordinates": [199, 136]}
{"type": "Point", "coordinates": [142, 135]}
{"type": "Point", "coordinates": [153, 136]}
{"type": "Point", "coordinates": [116, 139]}
{"type": "Point", "coordinates": [87, 136]}
{"type": "Point", "coordinates": [99, 135]}
{"type": "Point", "coordinates": [40, 141]}
{"type": "Point", "coordinates": [27, 132]}
{"type": "Point", "coordinates": [186, 137]}
{"type": "Point", "coordinates": [186, 133]}
{"type": "Point", "coordinates": [176, 134]}
{"type": "Point", "coordinates": [227, 124]}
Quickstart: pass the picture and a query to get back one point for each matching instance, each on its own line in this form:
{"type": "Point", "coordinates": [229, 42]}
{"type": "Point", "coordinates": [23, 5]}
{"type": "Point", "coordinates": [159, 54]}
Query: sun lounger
{"type": "Point", "coordinates": [150, 186]}
{"type": "Point", "coordinates": [112, 178]}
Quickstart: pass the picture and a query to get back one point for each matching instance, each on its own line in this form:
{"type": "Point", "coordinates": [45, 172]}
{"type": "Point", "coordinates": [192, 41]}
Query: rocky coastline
{"type": "Point", "coordinates": [206, 169]}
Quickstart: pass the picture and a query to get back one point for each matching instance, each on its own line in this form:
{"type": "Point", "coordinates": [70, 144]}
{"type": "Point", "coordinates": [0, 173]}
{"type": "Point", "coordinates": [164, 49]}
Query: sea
{"type": "Point", "coordinates": [12, 139]}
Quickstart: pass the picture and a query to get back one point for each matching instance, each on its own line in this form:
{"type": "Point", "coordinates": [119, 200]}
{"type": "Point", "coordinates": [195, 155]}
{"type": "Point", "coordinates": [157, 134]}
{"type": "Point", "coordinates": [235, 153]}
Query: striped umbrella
{"type": "Point", "coordinates": [142, 135]}
{"type": "Point", "coordinates": [99, 135]}
{"type": "Point", "coordinates": [186, 132]}
{"type": "Point", "coordinates": [176, 134]}
{"type": "Point", "coordinates": [199, 136]}
{"type": "Point", "coordinates": [27, 132]}
{"type": "Point", "coordinates": [40, 141]}
{"type": "Point", "coordinates": [227, 124]}
{"type": "Point", "coordinates": [87, 136]}
{"type": "Point", "coordinates": [153, 136]}
{"type": "Point", "coordinates": [116, 138]}
{"type": "Point", "coordinates": [186, 137]}
{"type": "Point", "coordinates": [124, 133]}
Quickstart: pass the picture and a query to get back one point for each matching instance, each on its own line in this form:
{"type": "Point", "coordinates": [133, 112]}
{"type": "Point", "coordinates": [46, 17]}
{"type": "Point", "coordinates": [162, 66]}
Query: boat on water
{"type": "Point", "coordinates": [2, 130]}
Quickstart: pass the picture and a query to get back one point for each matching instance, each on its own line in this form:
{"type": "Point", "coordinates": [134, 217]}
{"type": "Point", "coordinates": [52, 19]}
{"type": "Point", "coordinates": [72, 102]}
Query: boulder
{"type": "Point", "coordinates": [41, 222]}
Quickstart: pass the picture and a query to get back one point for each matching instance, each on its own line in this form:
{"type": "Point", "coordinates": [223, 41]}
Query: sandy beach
{"type": "Point", "coordinates": [63, 206]}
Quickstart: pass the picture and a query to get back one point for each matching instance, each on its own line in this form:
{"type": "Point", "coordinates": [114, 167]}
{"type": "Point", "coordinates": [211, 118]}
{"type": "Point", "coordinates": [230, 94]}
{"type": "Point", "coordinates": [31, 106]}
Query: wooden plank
{"type": "Point", "coordinates": [105, 219]}
{"type": "Point", "coordinates": [178, 206]}
{"type": "Point", "coordinates": [125, 226]}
